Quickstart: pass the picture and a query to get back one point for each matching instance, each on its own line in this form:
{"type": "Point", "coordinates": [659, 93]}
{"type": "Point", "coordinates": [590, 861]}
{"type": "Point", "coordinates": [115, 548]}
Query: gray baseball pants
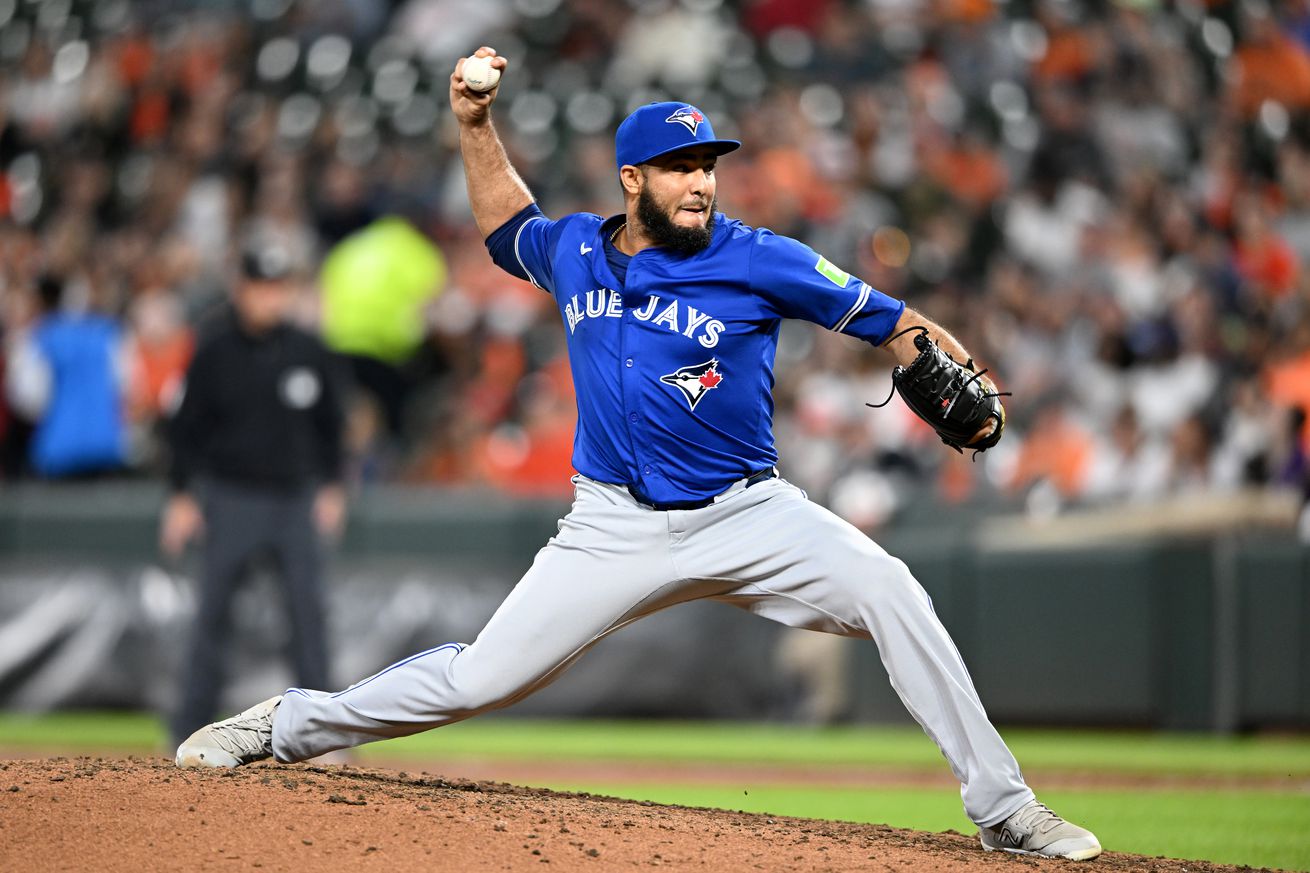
{"type": "Point", "coordinates": [242, 524]}
{"type": "Point", "coordinates": [766, 549]}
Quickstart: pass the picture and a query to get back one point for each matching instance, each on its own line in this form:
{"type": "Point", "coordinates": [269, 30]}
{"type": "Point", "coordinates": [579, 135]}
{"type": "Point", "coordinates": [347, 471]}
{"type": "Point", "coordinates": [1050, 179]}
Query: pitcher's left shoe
{"type": "Point", "coordinates": [241, 739]}
{"type": "Point", "coordinates": [1035, 830]}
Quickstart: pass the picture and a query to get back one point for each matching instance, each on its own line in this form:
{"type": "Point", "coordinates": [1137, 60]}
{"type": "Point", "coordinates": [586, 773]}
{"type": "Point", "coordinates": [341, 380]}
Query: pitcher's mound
{"type": "Point", "coordinates": [144, 814]}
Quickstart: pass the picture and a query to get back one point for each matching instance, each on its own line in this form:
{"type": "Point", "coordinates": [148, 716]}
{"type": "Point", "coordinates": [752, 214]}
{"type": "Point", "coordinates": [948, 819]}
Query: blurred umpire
{"type": "Point", "coordinates": [257, 463]}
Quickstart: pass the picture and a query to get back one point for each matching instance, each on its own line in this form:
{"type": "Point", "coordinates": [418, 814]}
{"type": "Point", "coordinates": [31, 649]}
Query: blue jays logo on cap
{"type": "Point", "coordinates": [688, 116]}
{"type": "Point", "coordinates": [659, 128]}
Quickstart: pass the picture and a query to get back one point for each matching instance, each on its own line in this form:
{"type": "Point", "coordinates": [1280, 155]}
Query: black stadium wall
{"type": "Point", "coordinates": [1177, 618]}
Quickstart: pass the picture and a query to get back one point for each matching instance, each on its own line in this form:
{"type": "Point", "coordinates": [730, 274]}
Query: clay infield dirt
{"type": "Point", "coordinates": [136, 814]}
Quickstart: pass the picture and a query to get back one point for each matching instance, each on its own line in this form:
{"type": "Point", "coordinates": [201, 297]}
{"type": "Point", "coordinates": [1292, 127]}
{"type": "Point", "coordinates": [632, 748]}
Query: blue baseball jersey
{"type": "Point", "coordinates": [673, 366]}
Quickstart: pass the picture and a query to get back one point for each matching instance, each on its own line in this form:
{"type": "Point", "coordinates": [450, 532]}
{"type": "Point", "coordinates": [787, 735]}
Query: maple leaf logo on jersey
{"type": "Point", "coordinates": [695, 382]}
{"type": "Point", "coordinates": [688, 116]}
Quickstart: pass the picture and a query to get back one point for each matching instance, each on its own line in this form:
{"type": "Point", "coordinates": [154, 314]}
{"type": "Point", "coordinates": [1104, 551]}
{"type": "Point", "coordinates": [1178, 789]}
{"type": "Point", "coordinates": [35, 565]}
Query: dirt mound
{"type": "Point", "coordinates": [144, 814]}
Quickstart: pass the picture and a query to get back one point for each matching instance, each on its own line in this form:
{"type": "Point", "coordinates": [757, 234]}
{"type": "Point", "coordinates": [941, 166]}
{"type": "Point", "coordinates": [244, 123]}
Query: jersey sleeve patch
{"type": "Point", "coordinates": [832, 272]}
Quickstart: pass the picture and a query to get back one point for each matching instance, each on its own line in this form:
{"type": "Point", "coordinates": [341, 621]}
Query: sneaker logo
{"type": "Point", "coordinates": [1009, 837]}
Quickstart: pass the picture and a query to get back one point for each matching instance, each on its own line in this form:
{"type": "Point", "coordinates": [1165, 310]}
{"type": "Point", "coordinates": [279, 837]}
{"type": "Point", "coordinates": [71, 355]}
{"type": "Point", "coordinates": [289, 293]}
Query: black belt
{"type": "Point", "coordinates": [755, 479]}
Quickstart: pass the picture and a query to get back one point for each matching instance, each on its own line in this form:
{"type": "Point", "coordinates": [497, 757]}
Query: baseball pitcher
{"type": "Point", "coordinates": [671, 312]}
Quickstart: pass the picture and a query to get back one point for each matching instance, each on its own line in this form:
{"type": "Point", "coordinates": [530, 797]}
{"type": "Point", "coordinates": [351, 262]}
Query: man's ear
{"type": "Point", "coordinates": [631, 178]}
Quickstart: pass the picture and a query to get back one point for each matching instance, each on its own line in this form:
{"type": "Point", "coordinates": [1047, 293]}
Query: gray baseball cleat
{"type": "Point", "coordinates": [241, 739]}
{"type": "Point", "coordinates": [1035, 830]}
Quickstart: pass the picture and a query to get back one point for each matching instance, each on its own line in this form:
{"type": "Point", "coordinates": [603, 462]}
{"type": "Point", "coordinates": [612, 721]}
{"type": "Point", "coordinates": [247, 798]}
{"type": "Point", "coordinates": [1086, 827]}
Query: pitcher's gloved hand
{"type": "Point", "coordinates": [960, 404]}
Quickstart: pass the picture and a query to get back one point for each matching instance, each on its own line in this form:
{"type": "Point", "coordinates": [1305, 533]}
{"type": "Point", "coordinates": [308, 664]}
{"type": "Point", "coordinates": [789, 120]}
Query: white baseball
{"type": "Point", "coordinates": [480, 75]}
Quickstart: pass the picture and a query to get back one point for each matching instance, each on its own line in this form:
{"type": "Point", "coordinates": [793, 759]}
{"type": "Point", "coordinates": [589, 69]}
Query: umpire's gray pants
{"type": "Point", "coordinates": [766, 549]}
{"type": "Point", "coordinates": [242, 524]}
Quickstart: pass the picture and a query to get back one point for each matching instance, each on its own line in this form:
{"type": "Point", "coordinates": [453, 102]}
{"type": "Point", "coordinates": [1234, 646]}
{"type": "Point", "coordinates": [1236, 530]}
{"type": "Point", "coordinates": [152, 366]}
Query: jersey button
{"type": "Point", "coordinates": [632, 417]}
{"type": "Point", "coordinates": [645, 471]}
{"type": "Point", "coordinates": [628, 362]}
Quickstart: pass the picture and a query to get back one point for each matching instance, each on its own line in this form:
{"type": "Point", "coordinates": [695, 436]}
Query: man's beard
{"type": "Point", "coordinates": [663, 232]}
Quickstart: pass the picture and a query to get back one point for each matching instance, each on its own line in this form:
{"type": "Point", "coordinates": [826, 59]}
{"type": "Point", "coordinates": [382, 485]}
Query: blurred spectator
{"type": "Point", "coordinates": [44, 103]}
{"type": "Point", "coordinates": [256, 468]}
{"type": "Point", "coordinates": [159, 351]}
{"type": "Point", "coordinates": [1130, 465]}
{"type": "Point", "coordinates": [1288, 378]}
{"type": "Point", "coordinates": [535, 458]}
{"type": "Point", "coordinates": [67, 377]}
{"type": "Point", "coordinates": [1057, 453]}
{"type": "Point", "coordinates": [1045, 223]}
{"type": "Point", "coordinates": [1072, 47]}
{"type": "Point", "coordinates": [21, 309]}
{"type": "Point", "coordinates": [376, 285]}
{"type": "Point", "coordinates": [341, 204]}
{"type": "Point", "coordinates": [1263, 259]}
{"type": "Point", "coordinates": [1193, 467]}
{"type": "Point", "coordinates": [1269, 66]}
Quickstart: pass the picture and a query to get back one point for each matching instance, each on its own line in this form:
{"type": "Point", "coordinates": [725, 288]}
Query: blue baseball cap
{"type": "Point", "coordinates": [659, 128]}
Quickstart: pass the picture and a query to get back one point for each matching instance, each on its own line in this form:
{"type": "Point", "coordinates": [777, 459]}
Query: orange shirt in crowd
{"type": "Point", "coordinates": [791, 173]}
{"type": "Point", "coordinates": [1057, 451]}
{"type": "Point", "coordinates": [975, 175]}
{"type": "Point", "coordinates": [159, 369]}
{"type": "Point", "coordinates": [1270, 264]}
{"type": "Point", "coordinates": [536, 458]}
{"type": "Point", "coordinates": [136, 56]}
{"type": "Point", "coordinates": [150, 116]}
{"type": "Point", "coordinates": [1277, 70]}
{"type": "Point", "coordinates": [1288, 385]}
{"type": "Point", "coordinates": [957, 478]}
{"type": "Point", "coordinates": [534, 462]}
{"type": "Point", "coordinates": [965, 11]}
{"type": "Point", "coordinates": [1070, 55]}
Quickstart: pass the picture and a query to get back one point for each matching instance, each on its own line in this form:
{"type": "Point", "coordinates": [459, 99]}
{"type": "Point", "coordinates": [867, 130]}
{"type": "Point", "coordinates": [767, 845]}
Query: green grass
{"type": "Point", "coordinates": [77, 732]}
{"type": "Point", "coordinates": [1267, 829]}
{"type": "Point", "coordinates": [1261, 828]}
{"type": "Point", "coordinates": [1121, 752]}
{"type": "Point", "coordinates": [1114, 752]}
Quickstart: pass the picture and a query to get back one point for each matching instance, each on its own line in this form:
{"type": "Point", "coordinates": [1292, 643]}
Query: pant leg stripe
{"type": "Point", "coordinates": [458, 647]}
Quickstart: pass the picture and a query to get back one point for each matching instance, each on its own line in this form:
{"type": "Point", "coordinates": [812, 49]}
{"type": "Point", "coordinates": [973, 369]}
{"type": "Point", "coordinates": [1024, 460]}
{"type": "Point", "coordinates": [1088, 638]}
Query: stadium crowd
{"type": "Point", "coordinates": [1109, 202]}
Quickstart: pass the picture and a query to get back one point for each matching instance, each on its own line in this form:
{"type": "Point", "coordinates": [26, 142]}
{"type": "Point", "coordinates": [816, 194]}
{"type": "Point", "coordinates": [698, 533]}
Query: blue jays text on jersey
{"type": "Point", "coordinates": [673, 363]}
{"type": "Point", "coordinates": [604, 302]}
